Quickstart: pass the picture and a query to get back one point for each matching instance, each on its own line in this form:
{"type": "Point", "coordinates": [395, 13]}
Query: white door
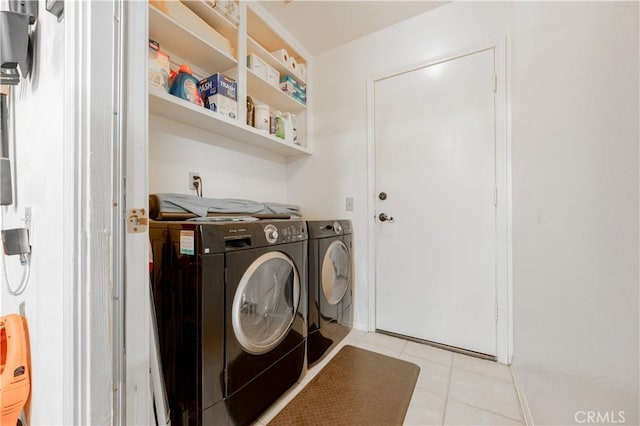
{"type": "Point", "coordinates": [435, 160]}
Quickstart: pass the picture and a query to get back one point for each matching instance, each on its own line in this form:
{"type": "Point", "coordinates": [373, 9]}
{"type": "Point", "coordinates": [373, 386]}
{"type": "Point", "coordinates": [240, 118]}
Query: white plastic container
{"type": "Point", "coordinates": [262, 117]}
{"type": "Point", "coordinates": [294, 125]}
{"type": "Point", "coordinates": [288, 127]}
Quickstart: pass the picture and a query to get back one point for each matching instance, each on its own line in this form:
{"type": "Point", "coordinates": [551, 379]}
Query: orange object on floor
{"type": "Point", "coordinates": [15, 381]}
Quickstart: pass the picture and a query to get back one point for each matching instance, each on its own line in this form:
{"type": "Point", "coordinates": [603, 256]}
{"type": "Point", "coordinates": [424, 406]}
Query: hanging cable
{"type": "Point", "coordinates": [198, 185]}
{"type": "Point", "coordinates": [25, 261]}
{"type": "Point", "coordinates": [25, 258]}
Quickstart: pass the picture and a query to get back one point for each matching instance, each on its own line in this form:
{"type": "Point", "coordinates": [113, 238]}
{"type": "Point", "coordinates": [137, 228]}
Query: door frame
{"type": "Point", "coordinates": [90, 152]}
{"type": "Point", "coordinates": [504, 264]}
{"type": "Point", "coordinates": [105, 172]}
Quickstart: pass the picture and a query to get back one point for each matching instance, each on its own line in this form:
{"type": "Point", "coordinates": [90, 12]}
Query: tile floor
{"type": "Point", "coordinates": [452, 389]}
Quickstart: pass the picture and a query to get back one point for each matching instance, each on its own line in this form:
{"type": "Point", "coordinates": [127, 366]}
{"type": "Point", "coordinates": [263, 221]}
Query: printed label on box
{"type": "Point", "coordinates": [187, 242]}
{"type": "Point", "coordinates": [219, 84]}
{"type": "Point", "coordinates": [222, 105]}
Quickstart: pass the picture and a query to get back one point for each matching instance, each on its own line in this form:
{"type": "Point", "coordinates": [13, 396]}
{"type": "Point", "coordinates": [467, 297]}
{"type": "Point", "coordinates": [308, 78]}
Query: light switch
{"type": "Point", "coordinates": [349, 204]}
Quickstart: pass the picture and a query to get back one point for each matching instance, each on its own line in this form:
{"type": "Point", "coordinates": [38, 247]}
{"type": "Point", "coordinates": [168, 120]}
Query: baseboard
{"type": "Point", "coordinates": [524, 406]}
{"type": "Point", "coordinates": [360, 326]}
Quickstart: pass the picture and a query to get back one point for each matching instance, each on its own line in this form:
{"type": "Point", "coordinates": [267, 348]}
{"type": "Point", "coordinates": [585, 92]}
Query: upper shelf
{"type": "Point", "coordinates": [270, 39]}
{"type": "Point", "coordinates": [255, 47]}
{"type": "Point", "coordinates": [178, 39]}
{"type": "Point", "coordinates": [174, 108]}
{"type": "Point", "coordinates": [215, 19]}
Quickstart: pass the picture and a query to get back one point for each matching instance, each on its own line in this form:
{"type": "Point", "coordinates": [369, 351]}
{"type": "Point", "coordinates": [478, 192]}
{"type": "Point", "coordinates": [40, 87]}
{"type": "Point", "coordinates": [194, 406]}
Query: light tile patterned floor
{"type": "Point", "coordinates": [452, 389]}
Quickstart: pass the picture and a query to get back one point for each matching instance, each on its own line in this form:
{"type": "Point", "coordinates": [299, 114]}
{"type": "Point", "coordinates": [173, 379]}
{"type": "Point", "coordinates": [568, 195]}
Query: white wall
{"type": "Point", "coordinates": [229, 169]}
{"type": "Point", "coordinates": [575, 180]}
{"type": "Point", "coordinates": [338, 167]}
{"type": "Point", "coordinates": [38, 183]}
{"type": "Point", "coordinates": [574, 77]}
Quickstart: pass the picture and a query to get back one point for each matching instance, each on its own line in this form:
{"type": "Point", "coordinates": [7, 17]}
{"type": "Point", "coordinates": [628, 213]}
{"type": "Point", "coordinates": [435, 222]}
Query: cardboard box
{"type": "Point", "coordinates": [220, 94]}
{"type": "Point", "coordinates": [273, 76]}
{"type": "Point", "coordinates": [288, 84]}
{"type": "Point", "coordinates": [185, 17]}
{"type": "Point", "coordinates": [299, 97]}
{"type": "Point", "coordinates": [228, 8]}
{"type": "Point", "coordinates": [257, 65]}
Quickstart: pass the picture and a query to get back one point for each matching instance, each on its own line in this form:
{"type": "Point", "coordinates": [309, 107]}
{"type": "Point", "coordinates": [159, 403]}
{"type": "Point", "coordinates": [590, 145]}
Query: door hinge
{"type": "Point", "coordinates": [137, 221]}
{"type": "Point", "coordinates": [496, 311]}
{"type": "Point", "coordinates": [495, 83]}
{"type": "Point", "coordinates": [495, 196]}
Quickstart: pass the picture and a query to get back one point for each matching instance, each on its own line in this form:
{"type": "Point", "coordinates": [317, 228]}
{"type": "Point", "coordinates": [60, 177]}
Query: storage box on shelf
{"type": "Point", "coordinates": [220, 94]}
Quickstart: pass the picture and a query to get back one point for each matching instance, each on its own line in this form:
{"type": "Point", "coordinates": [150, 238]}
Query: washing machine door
{"type": "Point", "coordinates": [336, 272]}
{"type": "Point", "coordinates": [266, 302]}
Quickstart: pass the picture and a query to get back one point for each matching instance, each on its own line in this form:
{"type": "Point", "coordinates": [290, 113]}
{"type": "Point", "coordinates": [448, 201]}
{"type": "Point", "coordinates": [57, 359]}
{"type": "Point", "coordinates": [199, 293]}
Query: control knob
{"type": "Point", "coordinates": [337, 227]}
{"type": "Point", "coordinates": [271, 233]}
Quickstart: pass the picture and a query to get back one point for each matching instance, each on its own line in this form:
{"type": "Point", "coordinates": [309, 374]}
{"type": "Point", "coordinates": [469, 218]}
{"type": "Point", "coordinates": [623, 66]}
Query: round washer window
{"type": "Point", "coordinates": [266, 302]}
{"type": "Point", "coordinates": [336, 272]}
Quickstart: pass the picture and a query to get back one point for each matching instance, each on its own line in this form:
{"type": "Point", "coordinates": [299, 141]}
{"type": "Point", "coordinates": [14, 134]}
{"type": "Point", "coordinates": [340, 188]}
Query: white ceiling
{"type": "Point", "coordinates": [320, 25]}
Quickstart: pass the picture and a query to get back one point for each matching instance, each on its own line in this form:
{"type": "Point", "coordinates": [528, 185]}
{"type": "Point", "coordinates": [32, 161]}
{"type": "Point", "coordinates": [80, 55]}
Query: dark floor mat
{"type": "Point", "coordinates": [357, 387]}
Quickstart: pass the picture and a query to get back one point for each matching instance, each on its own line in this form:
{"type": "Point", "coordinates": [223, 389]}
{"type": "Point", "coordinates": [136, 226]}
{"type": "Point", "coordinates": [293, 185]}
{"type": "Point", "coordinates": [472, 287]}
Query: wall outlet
{"type": "Point", "coordinates": [192, 180]}
{"type": "Point", "coordinates": [348, 205]}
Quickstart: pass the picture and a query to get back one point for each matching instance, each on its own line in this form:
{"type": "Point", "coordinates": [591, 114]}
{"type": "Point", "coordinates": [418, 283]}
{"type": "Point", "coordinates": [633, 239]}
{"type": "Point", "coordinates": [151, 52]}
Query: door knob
{"type": "Point", "coordinates": [384, 218]}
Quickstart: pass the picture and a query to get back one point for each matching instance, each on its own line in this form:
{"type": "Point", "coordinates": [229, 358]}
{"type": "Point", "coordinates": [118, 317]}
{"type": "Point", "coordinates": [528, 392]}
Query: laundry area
{"type": "Point", "coordinates": [230, 212]}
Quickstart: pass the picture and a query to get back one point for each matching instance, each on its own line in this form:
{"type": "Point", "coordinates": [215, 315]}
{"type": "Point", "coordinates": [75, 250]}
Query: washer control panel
{"type": "Point", "coordinates": [293, 232]}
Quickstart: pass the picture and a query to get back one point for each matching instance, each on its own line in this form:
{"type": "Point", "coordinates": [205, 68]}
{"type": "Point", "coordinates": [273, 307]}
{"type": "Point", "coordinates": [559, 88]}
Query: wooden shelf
{"type": "Point", "coordinates": [174, 108]}
{"type": "Point", "coordinates": [273, 96]}
{"type": "Point", "coordinates": [178, 39]}
{"type": "Point", "coordinates": [270, 39]}
{"type": "Point", "coordinates": [215, 19]}
{"type": "Point", "coordinates": [255, 47]}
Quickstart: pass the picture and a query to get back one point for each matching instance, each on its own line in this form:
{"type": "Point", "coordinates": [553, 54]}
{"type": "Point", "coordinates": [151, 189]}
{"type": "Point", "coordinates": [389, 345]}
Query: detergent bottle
{"type": "Point", "coordinates": [185, 86]}
{"type": "Point", "coordinates": [287, 122]}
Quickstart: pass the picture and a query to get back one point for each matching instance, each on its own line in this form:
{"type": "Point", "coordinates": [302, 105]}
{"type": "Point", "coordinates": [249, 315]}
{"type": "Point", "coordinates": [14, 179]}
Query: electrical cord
{"type": "Point", "coordinates": [25, 261]}
{"type": "Point", "coordinates": [25, 258]}
{"type": "Point", "coordinates": [198, 185]}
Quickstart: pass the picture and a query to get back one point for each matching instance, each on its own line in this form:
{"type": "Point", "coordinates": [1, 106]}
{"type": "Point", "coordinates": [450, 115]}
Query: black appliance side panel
{"type": "Point", "coordinates": [313, 276]}
{"type": "Point", "coordinates": [188, 294]}
{"type": "Point", "coordinates": [175, 280]}
{"type": "Point", "coordinates": [212, 306]}
{"type": "Point", "coordinates": [346, 310]}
